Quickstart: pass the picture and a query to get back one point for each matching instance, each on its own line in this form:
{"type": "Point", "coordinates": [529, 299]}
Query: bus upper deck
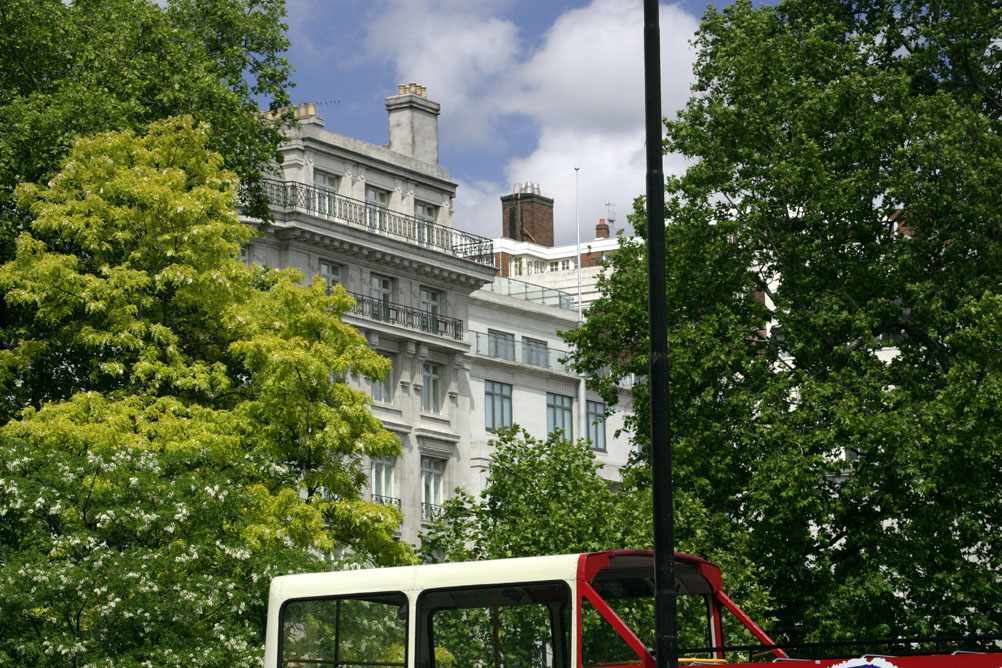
{"type": "Point", "coordinates": [593, 610]}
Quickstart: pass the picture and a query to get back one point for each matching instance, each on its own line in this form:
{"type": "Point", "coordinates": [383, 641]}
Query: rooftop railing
{"type": "Point", "coordinates": [405, 316]}
{"type": "Point", "coordinates": [530, 292]}
{"type": "Point", "coordinates": [380, 220]}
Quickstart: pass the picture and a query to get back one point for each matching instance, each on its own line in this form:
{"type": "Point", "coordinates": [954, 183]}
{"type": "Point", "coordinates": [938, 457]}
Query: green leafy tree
{"type": "Point", "coordinates": [70, 69]}
{"type": "Point", "coordinates": [211, 441]}
{"type": "Point", "coordinates": [529, 481]}
{"type": "Point", "coordinates": [548, 497]}
{"type": "Point", "coordinates": [833, 258]}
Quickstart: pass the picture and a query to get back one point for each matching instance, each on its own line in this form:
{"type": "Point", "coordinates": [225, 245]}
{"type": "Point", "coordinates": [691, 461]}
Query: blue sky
{"type": "Point", "coordinates": [529, 91]}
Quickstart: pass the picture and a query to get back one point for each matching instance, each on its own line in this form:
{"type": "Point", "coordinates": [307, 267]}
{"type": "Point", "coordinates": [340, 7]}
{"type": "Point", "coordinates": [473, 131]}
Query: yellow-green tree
{"type": "Point", "coordinates": [210, 440]}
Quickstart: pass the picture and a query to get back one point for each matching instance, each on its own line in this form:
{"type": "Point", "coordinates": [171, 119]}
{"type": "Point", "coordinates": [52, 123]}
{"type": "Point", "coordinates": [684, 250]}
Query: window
{"type": "Point", "coordinates": [331, 273]}
{"type": "Point", "coordinates": [554, 266]}
{"type": "Point", "coordinates": [508, 626]}
{"type": "Point", "coordinates": [500, 344]}
{"type": "Point", "coordinates": [534, 352]}
{"type": "Point", "coordinates": [431, 487]}
{"type": "Point", "coordinates": [347, 631]}
{"type": "Point", "coordinates": [325, 199]}
{"type": "Point", "coordinates": [382, 481]}
{"type": "Point", "coordinates": [430, 302]}
{"type": "Point", "coordinates": [382, 388]}
{"type": "Point", "coordinates": [596, 424]}
{"type": "Point", "coordinates": [426, 214]}
{"type": "Point", "coordinates": [380, 290]}
{"type": "Point", "coordinates": [376, 201]}
{"type": "Point", "coordinates": [497, 405]}
{"type": "Point", "coordinates": [566, 265]}
{"type": "Point", "coordinates": [431, 391]}
{"type": "Point", "coordinates": [516, 267]}
{"type": "Point", "coordinates": [558, 414]}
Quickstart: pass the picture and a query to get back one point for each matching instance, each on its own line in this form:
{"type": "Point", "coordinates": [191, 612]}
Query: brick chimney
{"type": "Point", "coordinates": [601, 230]}
{"type": "Point", "coordinates": [527, 216]}
{"type": "Point", "coordinates": [413, 123]}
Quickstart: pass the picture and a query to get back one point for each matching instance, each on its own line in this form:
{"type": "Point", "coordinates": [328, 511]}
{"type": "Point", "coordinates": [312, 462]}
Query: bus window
{"type": "Point", "coordinates": [630, 595]}
{"type": "Point", "coordinates": [600, 644]}
{"type": "Point", "coordinates": [505, 626]}
{"type": "Point", "coordinates": [369, 630]}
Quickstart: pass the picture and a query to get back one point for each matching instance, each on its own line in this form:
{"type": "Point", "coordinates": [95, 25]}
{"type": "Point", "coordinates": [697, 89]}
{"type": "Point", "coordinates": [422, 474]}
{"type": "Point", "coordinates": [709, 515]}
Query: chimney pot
{"type": "Point", "coordinates": [601, 230]}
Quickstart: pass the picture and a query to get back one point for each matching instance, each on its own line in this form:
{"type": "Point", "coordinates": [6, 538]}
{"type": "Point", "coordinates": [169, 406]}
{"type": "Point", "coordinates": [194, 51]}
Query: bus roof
{"type": "Point", "coordinates": [566, 567]}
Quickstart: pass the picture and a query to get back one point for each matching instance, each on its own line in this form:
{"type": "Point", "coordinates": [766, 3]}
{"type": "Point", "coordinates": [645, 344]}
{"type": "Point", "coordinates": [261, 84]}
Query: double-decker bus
{"type": "Point", "coordinates": [592, 610]}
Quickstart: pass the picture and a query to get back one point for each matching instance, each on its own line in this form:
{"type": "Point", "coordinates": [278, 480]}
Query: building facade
{"type": "Point", "coordinates": [377, 220]}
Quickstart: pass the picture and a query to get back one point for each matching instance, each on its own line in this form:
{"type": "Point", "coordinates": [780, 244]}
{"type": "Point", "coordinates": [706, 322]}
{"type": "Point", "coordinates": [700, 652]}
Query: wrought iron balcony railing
{"type": "Point", "coordinates": [386, 500]}
{"type": "Point", "coordinates": [327, 204]}
{"type": "Point", "coordinates": [430, 511]}
{"type": "Point", "coordinates": [405, 316]}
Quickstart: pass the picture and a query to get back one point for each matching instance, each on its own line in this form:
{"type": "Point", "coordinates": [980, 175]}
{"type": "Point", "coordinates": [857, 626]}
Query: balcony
{"type": "Point", "coordinates": [430, 511]}
{"type": "Point", "coordinates": [531, 353]}
{"type": "Point", "coordinates": [326, 204]}
{"type": "Point", "coordinates": [382, 310]}
{"type": "Point", "coordinates": [530, 292]}
{"type": "Point", "coordinates": [386, 500]}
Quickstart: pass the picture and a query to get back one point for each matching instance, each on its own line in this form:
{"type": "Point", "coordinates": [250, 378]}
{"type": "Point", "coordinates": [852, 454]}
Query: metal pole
{"type": "Point", "coordinates": [665, 626]}
{"type": "Point", "coordinates": [582, 390]}
{"type": "Point", "coordinates": [577, 227]}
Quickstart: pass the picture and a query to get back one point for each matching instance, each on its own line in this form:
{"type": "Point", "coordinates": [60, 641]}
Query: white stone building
{"type": "Point", "coordinates": [378, 221]}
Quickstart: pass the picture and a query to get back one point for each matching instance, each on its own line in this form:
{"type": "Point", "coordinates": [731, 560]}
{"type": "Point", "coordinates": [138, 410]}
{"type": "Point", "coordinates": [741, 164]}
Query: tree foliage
{"type": "Point", "coordinates": [71, 69]}
{"type": "Point", "coordinates": [833, 265]}
{"type": "Point", "coordinates": [541, 497]}
{"type": "Point", "coordinates": [207, 439]}
{"type": "Point", "coordinates": [548, 497]}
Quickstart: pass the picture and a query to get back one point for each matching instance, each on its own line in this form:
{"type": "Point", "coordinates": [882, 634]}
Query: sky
{"type": "Point", "coordinates": [529, 89]}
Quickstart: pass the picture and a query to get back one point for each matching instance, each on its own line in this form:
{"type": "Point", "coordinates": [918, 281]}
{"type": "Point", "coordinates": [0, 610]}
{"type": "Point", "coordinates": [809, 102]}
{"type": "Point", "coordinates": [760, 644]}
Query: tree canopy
{"type": "Point", "coordinates": [549, 497]}
{"type": "Point", "coordinates": [71, 69]}
{"type": "Point", "coordinates": [834, 268]}
{"type": "Point", "coordinates": [207, 439]}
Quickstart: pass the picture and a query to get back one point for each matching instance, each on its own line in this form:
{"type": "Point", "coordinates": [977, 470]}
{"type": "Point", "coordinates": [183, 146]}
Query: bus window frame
{"type": "Point", "coordinates": [424, 632]}
{"type": "Point", "coordinates": [280, 659]}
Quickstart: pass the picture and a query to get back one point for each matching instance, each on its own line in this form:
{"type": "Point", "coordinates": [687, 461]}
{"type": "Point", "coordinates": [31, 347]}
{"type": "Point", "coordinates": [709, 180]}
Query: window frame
{"type": "Point", "coordinates": [383, 469]}
{"type": "Point", "coordinates": [534, 350]}
{"type": "Point", "coordinates": [501, 344]}
{"type": "Point", "coordinates": [429, 508]}
{"type": "Point", "coordinates": [495, 393]}
{"type": "Point", "coordinates": [383, 387]}
{"type": "Point", "coordinates": [432, 301]}
{"type": "Point", "coordinates": [596, 424]}
{"type": "Point", "coordinates": [326, 193]}
{"type": "Point", "coordinates": [555, 407]}
{"type": "Point", "coordinates": [563, 623]}
{"type": "Point", "coordinates": [381, 295]}
{"type": "Point", "coordinates": [377, 204]}
{"type": "Point", "coordinates": [431, 387]}
{"type": "Point", "coordinates": [331, 278]}
{"type": "Point", "coordinates": [343, 597]}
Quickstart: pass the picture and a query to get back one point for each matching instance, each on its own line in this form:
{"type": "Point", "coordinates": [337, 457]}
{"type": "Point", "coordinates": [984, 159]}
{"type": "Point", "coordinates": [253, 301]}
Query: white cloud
{"type": "Point", "coordinates": [583, 87]}
{"type": "Point", "coordinates": [455, 48]}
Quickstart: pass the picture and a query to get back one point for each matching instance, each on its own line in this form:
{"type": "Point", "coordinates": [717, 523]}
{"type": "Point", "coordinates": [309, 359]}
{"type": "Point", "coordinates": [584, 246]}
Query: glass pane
{"type": "Point", "coordinates": [345, 632]}
{"type": "Point", "coordinates": [600, 644]}
{"type": "Point", "coordinates": [520, 626]}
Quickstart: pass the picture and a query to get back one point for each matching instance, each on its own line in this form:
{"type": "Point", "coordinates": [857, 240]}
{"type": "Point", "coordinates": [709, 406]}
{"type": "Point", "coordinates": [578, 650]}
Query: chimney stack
{"type": "Point", "coordinates": [601, 230]}
{"type": "Point", "coordinates": [413, 122]}
{"type": "Point", "coordinates": [527, 216]}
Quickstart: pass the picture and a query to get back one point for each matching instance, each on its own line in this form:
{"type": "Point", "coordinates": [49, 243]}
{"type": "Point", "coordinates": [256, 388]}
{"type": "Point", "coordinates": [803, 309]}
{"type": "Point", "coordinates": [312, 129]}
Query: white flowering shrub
{"type": "Point", "coordinates": [178, 463]}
